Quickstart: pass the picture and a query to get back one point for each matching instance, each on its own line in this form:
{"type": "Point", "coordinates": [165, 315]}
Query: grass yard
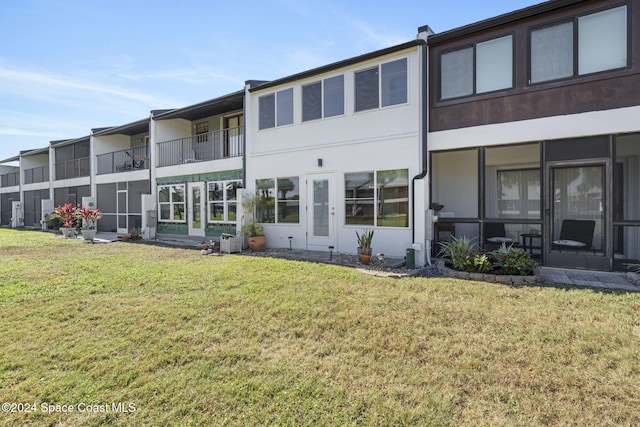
{"type": "Point", "coordinates": [129, 334]}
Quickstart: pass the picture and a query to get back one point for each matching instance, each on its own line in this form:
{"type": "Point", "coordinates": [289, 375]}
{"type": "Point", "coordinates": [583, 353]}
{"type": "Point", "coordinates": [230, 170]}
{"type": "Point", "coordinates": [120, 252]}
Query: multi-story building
{"type": "Point", "coordinates": [199, 164]}
{"type": "Point", "coordinates": [533, 129]}
{"type": "Point", "coordinates": [522, 128]}
{"type": "Point", "coordinates": [337, 149]}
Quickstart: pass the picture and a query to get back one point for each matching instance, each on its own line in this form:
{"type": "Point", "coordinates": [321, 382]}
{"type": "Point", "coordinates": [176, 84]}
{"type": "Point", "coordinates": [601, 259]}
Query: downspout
{"type": "Point", "coordinates": [244, 135]}
{"type": "Point", "coordinates": [424, 113]}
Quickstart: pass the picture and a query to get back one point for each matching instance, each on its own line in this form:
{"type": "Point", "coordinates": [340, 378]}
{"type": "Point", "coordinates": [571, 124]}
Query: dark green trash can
{"type": "Point", "coordinates": [410, 259]}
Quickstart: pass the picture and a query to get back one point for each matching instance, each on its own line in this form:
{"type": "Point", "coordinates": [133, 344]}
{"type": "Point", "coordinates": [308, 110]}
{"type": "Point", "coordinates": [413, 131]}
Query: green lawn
{"type": "Point", "coordinates": [177, 338]}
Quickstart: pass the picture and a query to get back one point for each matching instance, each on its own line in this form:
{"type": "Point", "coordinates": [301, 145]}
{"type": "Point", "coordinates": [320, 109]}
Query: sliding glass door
{"type": "Point", "coordinates": [577, 219]}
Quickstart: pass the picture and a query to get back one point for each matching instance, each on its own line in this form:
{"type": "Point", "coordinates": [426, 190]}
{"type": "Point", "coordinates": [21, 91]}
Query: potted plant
{"type": "Point", "coordinates": [255, 236]}
{"type": "Point", "coordinates": [134, 233]}
{"type": "Point", "coordinates": [89, 217]}
{"type": "Point", "coordinates": [254, 232]}
{"type": "Point", "coordinates": [66, 213]}
{"type": "Point", "coordinates": [364, 245]}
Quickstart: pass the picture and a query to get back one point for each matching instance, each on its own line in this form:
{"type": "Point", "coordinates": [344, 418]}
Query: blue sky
{"type": "Point", "coordinates": [67, 66]}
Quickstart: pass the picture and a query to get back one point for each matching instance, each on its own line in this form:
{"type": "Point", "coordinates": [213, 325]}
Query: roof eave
{"type": "Point", "coordinates": [337, 65]}
{"type": "Point", "coordinates": [499, 20]}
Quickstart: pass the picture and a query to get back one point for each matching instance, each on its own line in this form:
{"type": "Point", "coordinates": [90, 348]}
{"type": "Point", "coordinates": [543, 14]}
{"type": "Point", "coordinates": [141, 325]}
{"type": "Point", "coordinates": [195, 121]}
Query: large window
{"type": "Point", "coordinates": [377, 198]}
{"type": "Point", "coordinates": [601, 45]}
{"type": "Point", "coordinates": [276, 109]}
{"type": "Point", "coordinates": [512, 182]}
{"type": "Point", "coordinates": [222, 200]}
{"type": "Point", "coordinates": [392, 85]}
{"type": "Point", "coordinates": [323, 97]}
{"type": "Point", "coordinates": [279, 200]}
{"type": "Point", "coordinates": [171, 201]}
{"type": "Point", "coordinates": [484, 67]}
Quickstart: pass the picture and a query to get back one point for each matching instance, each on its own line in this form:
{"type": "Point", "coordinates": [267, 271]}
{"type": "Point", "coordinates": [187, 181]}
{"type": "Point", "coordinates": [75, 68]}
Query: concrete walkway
{"type": "Point", "coordinates": [596, 280]}
{"type": "Point", "coordinates": [592, 279]}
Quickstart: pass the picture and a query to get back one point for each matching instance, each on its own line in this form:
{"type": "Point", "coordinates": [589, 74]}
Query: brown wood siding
{"type": "Point", "coordinates": [606, 90]}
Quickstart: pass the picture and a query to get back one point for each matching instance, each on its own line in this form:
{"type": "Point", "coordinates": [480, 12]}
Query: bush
{"type": "Point", "coordinates": [514, 261]}
{"type": "Point", "coordinates": [464, 256]}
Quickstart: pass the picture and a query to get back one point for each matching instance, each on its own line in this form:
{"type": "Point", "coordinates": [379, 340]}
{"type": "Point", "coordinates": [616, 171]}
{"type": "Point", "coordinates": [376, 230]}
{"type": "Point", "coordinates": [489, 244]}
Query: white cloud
{"type": "Point", "coordinates": [67, 91]}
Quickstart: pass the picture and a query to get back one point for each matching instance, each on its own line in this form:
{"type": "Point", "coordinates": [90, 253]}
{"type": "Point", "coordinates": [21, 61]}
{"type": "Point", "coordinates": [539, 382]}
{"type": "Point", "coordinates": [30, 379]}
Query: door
{"type": "Point", "coordinates": [196, 210]}
{"type": "Point", "coordinates": [578, 215]}
{"type": "Point", "coordinates": [121, 208]}
{"type": "Point", "coordinates": [231, 139]}
{"type": "Point", "coordinates": [321, 210]}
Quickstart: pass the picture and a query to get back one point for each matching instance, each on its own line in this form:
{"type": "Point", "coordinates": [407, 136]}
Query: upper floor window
{"type": "Point", "coordinates": [202, 129]}
{"type": "Point", "coordinates": [483, 67]}
{"type": "Point", "coordinates": [392, 85]}
{"type": "Point", "coordinates": [323, 98]}
{"type": "Point", "coordinates": [276, 109]}
{"type": "Point", "coordinates": [600, 43]}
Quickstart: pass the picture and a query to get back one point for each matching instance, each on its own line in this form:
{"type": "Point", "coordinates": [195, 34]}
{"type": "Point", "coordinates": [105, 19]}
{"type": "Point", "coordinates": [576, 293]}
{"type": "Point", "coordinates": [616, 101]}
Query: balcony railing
{"type": "Point", "coordinates": [10, 179]}
{"type": "Point", "coordinates": [123, 160]}
{"type": "Point", "coordinates": [216, 145]}
{"type": "Point", "coordinates": [39, 174]}
{"type": "Point", "coordinates": [72, 168]}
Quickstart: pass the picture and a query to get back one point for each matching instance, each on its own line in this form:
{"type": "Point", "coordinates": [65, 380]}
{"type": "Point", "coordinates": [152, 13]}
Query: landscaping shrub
{"type": "Point", "coordinates": [514, 261]}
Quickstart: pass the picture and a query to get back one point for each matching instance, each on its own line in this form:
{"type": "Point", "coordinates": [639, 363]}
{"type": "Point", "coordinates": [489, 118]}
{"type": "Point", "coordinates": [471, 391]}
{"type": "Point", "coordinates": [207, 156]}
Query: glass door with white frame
{"type": "Point", "coordinates": [196, 211]}
{"type": "Point", "coordinates": [320, 212]}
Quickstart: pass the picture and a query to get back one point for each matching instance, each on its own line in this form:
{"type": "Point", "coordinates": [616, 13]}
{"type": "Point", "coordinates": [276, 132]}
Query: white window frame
{"type": "Point", "coordinates": [171, 203]}
{"type": "Point", "coordinates": [225, 202]}
{"type": "Point", "coordinates": [277, 200]}
{"type": "Point", "coordinates": [381, 90]}
{"type": "Point", "coordinates": [323, 98]}
{"type": "Point", "coordinates": [277, 103]}
{"type": "Point", "coordinates": [376, 199]}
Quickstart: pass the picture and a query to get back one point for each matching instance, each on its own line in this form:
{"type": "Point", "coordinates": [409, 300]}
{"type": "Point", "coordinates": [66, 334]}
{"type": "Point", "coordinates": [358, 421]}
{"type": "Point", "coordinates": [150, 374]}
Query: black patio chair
{"type": "Point", "coordinates": [495, 235]}
{"type": "Point", "coordinates": [576, 234]}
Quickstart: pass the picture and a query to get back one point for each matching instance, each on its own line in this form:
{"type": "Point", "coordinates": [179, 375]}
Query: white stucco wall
{"type": "Point", "coordinates": [379, 139]}
{"type": "Point", "coordinates": [110, 143]}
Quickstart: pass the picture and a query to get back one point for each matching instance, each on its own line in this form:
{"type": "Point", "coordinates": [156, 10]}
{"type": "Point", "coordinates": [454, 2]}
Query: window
{"type": "Point", "coordinates": [602, 41]}
{"type": "Point", "coordinates": [377, 198]}
{"type": "Point", "coordinates": [275, 109]}
{"type": "Point", "coordinates": [202, 129]}
{"type": "Point", "coordinates": [267, 111]}
{"type": "Point", "coordinates": [334, 96]}
{"type": "Point", "coordinates": [601, 45]}
{"type": "Point", "coordinates": [512, 182]}
{"type": "Point", "coordinates": [312, 102]}
{"type": "Point", "coordinates": [171, 202]}
{"type": "Point", "coordinates": [288, 200]}
{"type": "Point", "coordinates": [313, 99]}
{"type": "Point", "coordinates": [279, 200]}
{"type": "Point", "coordinates": [483, 67]}
{"type": "Point", "coordinates": [518, 193]}
{"type": "Point", "coordinates": [222, 200]}
{"type": "Point", "coordinates": [392, 85]}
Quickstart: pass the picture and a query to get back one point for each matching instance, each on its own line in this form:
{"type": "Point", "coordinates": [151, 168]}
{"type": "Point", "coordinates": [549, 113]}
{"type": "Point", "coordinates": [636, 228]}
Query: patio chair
{"type": "Point", "coordinates": [576, 234]}
{"type": "Point", "coordinates": [495, 234]}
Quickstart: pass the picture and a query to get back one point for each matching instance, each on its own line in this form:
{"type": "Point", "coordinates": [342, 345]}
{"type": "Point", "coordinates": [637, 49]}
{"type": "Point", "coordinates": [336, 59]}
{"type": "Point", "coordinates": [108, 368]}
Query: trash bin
{"type": "Point", "coordinates": [410, 259]}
